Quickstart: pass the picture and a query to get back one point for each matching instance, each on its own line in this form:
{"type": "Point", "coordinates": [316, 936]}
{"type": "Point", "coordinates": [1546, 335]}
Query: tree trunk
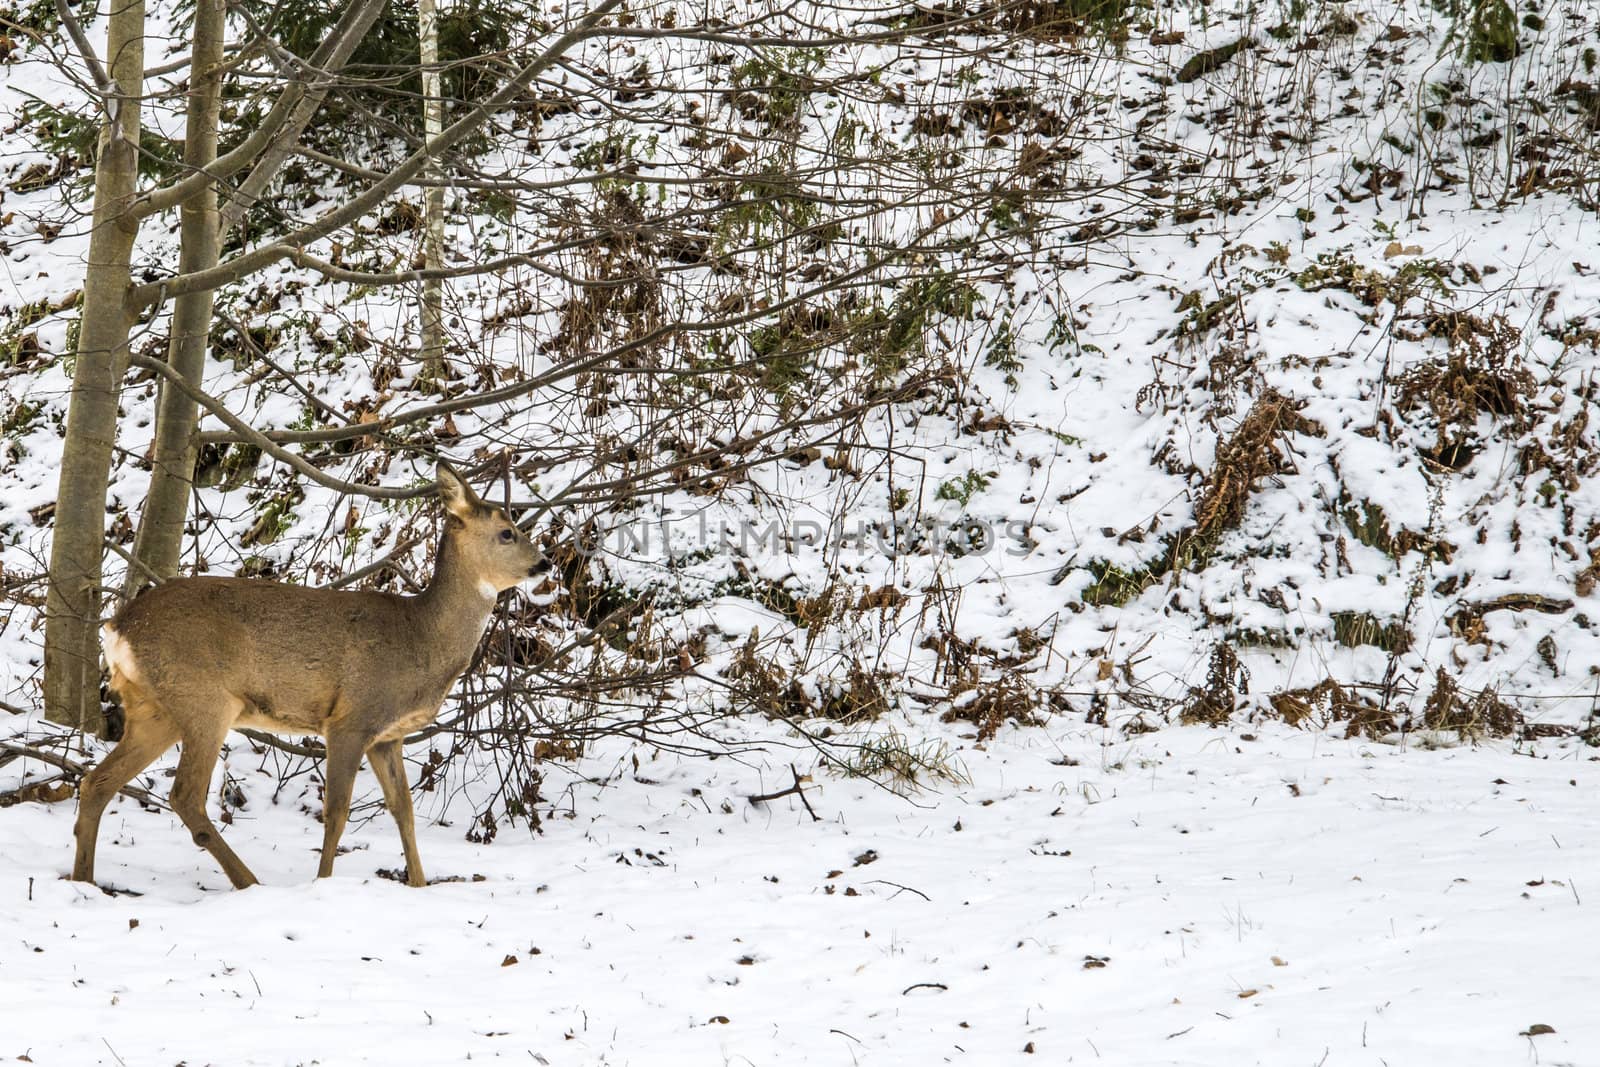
{"type": "Point", "coordinates": [166, 507]}
{"type": "Point", "coordinates": [432, 310]}
{"type": "Point", "coordinates": [72, 609]}
{"type": "Point", "coordinates": [159, 544]}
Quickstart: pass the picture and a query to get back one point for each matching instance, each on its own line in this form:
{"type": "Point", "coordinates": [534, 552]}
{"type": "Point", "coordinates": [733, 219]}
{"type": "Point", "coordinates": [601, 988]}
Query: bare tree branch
{"type": "Point", "coordinates": [97, 70]}
{"type": "Point", "coordinates": [283, 142]}
{"type": "Point", "coordinates": [344, 36]}
{"type": "Point", "coordinates": [142, 296]}
{"type": "Point", "coordinates": [276, 451]}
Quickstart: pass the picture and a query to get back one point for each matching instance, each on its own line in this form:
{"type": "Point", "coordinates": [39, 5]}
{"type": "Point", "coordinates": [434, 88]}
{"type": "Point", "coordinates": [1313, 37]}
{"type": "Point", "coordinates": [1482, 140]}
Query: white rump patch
{"type": "Point", "coordinates": [119, 655]}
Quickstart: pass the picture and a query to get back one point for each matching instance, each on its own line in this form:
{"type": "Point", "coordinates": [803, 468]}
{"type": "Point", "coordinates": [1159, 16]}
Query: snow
{"type": "Point", "coordinates": [1192, 897]}
{"type": "Point", "coordinates": [1079, 893]}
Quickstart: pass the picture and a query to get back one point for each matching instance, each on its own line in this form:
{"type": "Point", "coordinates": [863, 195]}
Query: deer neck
{"type": "Point", "coordinates": [457, 603]}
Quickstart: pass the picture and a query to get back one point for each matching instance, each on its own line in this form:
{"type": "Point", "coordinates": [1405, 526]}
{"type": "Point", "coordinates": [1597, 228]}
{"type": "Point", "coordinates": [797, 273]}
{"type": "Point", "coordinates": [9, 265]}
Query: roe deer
{"type": "Point", "coordinates": [195, 657]}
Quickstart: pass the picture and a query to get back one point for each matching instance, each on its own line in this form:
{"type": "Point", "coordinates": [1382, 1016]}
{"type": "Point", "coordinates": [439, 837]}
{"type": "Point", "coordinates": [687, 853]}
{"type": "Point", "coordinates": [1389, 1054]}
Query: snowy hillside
{"type": "Point", "coordinates": [1347, 229]}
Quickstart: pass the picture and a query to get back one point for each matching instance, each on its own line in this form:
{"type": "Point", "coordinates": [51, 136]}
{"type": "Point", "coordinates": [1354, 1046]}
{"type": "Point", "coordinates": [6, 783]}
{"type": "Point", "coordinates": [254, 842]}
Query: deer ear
{"type": "Point", "coordinates": [458, 497]}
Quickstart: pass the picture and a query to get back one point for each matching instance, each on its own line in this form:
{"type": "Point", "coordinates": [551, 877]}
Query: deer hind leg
{"type": "Point", "coordinates": [146, 734]}
{"type": "Point", "coordinates": [388, 763]}
{"type": "Point", "coordinates": [339, 782]}
{"type": "Point", "coordinates": [201, 745]}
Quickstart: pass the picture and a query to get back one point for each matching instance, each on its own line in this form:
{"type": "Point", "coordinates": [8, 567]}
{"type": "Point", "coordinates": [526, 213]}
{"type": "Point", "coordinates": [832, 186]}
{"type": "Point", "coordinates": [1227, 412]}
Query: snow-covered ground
{"type": "Point", "coordinates": [1089, 893]}
{"type": "Point", "coordinates": [1189, 897]}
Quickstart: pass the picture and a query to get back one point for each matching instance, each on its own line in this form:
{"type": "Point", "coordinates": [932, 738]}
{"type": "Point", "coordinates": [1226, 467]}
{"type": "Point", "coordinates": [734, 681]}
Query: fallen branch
{"type": "Point", "coordinates": [793, 790]}
{"type": "Point", "coordinates": [51, 790]}
{"type": "Point", "coordinates": [274, 741]}
{"type": "Point", "coordinates": [76, 769]}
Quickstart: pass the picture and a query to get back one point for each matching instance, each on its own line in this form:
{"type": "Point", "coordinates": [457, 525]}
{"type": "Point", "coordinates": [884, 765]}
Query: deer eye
{"type": "Point", "coordinates": [506, 537]}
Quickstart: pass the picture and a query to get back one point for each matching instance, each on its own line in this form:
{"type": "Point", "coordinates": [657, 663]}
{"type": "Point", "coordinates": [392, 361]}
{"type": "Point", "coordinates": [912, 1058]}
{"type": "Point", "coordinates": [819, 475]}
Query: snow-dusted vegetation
{"type": "Point", "coordinates": [1117, 477]}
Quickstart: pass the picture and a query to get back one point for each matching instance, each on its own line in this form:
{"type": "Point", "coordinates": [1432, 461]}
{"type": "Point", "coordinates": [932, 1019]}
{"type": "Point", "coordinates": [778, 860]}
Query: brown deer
{"type": "Point", "coordinates": [195, 657]}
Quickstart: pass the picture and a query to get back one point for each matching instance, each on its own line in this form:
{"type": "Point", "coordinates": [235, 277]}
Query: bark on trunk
{"type": "Point", "coordinates": [160, 539]}
{"type": "Point", "coordinates": [432, 309]}
{"type": "Point", "coordinates": [72, 609]}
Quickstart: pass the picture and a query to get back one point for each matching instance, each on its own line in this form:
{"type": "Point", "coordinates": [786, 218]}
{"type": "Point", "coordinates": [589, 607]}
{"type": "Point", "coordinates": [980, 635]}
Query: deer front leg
{"type": "Point", "coordinates": [202, 742]}
{"type": "Point", "coordinates": [339, 782]}
{"type": "Point", "coordinates": [144, 738]}
{"type": "Point", "coordinates": [388, 763]}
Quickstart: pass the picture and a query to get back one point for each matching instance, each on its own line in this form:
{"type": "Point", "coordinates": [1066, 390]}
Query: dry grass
{"type": "Point", "coordinates": [1253, 452]}
{"type": "Point", "coordinates": [1449, 707]}
{"type": "Point", "coordinates": [1481, 375]}
{"type": "Point", "coordinates": [1328, 702]}
{"type": "Point", "coordinates": [994, 702]}
{"type": "Point", "coordinates": [1226, 681]}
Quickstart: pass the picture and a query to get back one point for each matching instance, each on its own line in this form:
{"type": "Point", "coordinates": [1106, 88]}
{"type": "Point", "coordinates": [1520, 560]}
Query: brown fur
{"type": "Point", "coordinates": [196, 657]}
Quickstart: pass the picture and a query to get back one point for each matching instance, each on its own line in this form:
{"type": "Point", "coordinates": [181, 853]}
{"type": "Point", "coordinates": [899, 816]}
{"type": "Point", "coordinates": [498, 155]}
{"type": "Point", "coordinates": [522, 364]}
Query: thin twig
{"type": "Point", "coordinates": [255, 437]}
{"type": "Point", "coordinates": [405, 544]}
{"type": "Point", "coordinates": [259, 353]}
{"type": "Point", "coordinates": [135, 562]}
{"type": "Point", "coordinates": [897, 885]}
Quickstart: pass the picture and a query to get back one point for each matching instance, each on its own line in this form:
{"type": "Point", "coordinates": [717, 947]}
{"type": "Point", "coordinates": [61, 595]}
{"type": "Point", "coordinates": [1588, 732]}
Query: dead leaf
{"type": "Point", "coordinates": [47, 792]}
{"type": "Point", "coordinates": [1395, 248]}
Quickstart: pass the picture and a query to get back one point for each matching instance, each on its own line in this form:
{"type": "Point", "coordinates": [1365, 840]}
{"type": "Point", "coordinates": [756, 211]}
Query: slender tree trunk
{"type": "Point", "coordinates": [166, 507]}
{"type": "Point", "coordinates": [72, 609]}
{"type": "Point", "coordinates": [432, 310]}
{"type": "Point", "coordinates": [159, 544]}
